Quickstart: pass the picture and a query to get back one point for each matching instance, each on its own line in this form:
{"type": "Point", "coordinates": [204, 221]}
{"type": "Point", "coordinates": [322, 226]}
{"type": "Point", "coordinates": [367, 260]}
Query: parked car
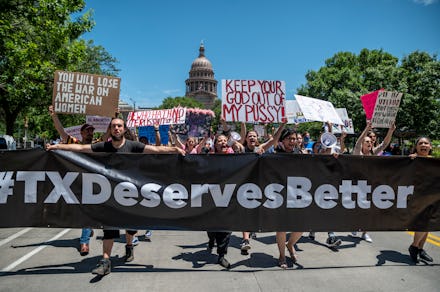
{"type": "Point", "coordinates": [7, 143]}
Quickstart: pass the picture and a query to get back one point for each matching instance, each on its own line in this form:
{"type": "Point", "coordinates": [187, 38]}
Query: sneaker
{"type": "Point", "coordinates": [135, 240]}
{"type": "Point", "coordinates": [253, 235]}
{"type": "Point", "coordinates": [414, 253]}
{"type": "Point", "coordinates": [333, 241]}
{"type": "Point", "coordinates": [312, 235]}
{"type": "Point", "coordinates": [103, 267]}
{"type": "Point", "coordinates": [367, 237]}
{"type": "Point", "coordinates": [223, 262]}
{"type": "Point", "coordinates": [245, 245]}
{"type": "Point", "coordinates": [129, 253]}
{"type": "Point", "coordinates": [354, 234]}
{"type": "Point", "coordinates": [424, 255]}
{"type": "Point", "coordinates": [148, 235]}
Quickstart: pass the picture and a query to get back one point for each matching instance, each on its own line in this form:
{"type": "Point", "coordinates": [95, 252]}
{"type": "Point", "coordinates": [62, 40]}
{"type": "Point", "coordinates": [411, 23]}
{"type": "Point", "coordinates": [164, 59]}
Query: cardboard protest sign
{"type": "Point", "coordinates": [385, 110]}
{"type": "Point", "coordinates": [100, 123]}
{"type": "Point", "coordinates": [259, 101]}
{"type": "Point", "coordinates": [318, 110]}
{"type": "Point", "coordinates": [348, 123]}
{"type": "Point", "coordinates": [74, 131]}
{"type": "Point", "coordinates": [82, 93]}
{"type": "Point", "coordinates": [197, 123]}
{"type": "Point", "coordinates": [172, 116]}
{"type": "Point", "coordinates": [368, 102]}
{"type": "Point", "coordinates": [294, 114]}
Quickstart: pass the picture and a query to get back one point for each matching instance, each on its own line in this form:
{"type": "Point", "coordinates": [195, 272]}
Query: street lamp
{"type": "Point", "coordinates": [134, 104]}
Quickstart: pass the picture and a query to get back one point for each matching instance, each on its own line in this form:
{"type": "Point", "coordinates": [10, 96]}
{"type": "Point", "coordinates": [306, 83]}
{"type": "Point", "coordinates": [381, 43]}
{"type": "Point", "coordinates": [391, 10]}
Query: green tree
{"type": "Point", "coordinates": [347, 76]}
{"type": "Point", "coordinates": [183, 101]}
{"type": "Point", "coordinates": [420, 83]}
{"type": "Point", "coordinates": [37, 38]}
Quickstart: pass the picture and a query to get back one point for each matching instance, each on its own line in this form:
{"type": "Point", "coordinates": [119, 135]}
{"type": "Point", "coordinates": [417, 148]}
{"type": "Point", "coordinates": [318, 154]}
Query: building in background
{"type": "Point", "coordinates": [201, 84]}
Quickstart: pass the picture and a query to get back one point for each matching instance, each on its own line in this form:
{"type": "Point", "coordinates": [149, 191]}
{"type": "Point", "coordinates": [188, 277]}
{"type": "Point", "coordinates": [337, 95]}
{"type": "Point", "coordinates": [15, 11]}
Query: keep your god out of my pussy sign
{"type": "Point", "coordinates": [259, 101]}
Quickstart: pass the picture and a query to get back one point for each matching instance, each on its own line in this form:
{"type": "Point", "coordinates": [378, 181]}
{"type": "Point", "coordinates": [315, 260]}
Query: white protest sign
{"type": "Point", "coordinates": [172, 116]}
{"type": "Point", "coordinates": [318, 110]}
{"type": "Point", "coordinates": [74, 131]}
{"type": "Point", "coordinates": [385, 110]}
{"type": "Point", "coordinates": [260, 129]}
{"type": "Point", "coordinates": [100, 123]}
{"type": "Point", "coordinates": [293, 113]}
{"type": "Point", "coordinates": [348, 123]}
{"type": "Point", "coordinates": [258, 101]}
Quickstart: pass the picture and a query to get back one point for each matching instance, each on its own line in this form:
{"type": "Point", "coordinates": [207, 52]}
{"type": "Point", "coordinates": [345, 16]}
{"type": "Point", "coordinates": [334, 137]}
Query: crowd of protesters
{"type": "Point", "coordinates": [119, 138]}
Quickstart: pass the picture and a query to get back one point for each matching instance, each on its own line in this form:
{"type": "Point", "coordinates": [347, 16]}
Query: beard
{"type": "Point", "coordinates": [116, 138]}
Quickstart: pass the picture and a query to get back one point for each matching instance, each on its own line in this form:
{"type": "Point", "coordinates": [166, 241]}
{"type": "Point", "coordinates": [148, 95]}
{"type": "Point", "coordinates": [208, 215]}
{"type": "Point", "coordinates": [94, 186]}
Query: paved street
{"type": "Point", "coordinates": [36, 259]}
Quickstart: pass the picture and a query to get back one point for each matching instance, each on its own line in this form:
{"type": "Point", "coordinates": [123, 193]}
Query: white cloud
{"type": "Point", "coordinates": [171, 91]}
{"type": "Point", "coordinates": [425, 2]}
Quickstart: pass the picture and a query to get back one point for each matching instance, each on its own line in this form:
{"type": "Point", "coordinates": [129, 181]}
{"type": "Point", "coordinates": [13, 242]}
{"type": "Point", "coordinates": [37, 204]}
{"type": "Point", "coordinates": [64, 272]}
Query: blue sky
{"type": "Point", "coordinates": [155, 42]}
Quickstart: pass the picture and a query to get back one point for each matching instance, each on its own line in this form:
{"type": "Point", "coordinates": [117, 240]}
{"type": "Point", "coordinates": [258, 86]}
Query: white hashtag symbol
{"type": "Point", "coordinates": [6, 184]}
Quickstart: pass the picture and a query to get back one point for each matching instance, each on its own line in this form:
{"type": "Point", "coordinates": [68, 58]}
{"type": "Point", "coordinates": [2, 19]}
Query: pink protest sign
{"type": "Point", "coordinates": [368, 102]}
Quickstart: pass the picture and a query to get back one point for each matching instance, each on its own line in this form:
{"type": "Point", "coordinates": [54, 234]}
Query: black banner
{"type": "Point", "coordinates": [243, 192]}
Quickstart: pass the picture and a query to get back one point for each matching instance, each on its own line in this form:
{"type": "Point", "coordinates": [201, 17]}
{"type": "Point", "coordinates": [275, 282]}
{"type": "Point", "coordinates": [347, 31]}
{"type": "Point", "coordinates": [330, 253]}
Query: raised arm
{"type": "Point", "coordinates": [386, 141]}
{"type": "Point", "coordinates": [358, 146]}
{"type": "Point", "coordinates": [157, 135]}
{"type": "Point", "coordinates": [57, 123]}
{"type": "Point", "coordinates": [266, 145]}
{"type": "Point", "coordinates": [342, 141]}
{"type": "Point", "coordinates": [242, 133]}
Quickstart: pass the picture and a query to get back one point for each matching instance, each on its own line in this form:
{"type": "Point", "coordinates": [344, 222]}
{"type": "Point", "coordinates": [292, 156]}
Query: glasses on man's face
{"type": "Point", "coordinates": [368, 141]}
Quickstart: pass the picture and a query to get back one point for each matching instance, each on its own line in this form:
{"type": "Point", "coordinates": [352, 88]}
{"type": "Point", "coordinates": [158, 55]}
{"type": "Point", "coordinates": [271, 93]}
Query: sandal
{"type": "Point", "coordinates": [282, 264]}
{"type": "Point", "coordinates": [292, 254]}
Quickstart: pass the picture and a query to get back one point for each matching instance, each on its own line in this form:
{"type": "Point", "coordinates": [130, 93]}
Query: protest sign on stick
{"type": "Point", "coordinates": [294, 114]}
{"type": "Point", "coordinates": [318, 110]}
{"type": "Point", "coordinates": [82, 93]}
{"type": "Point", "coordinates": [172, 116]}
{"type": "Point", "coordinates": [100, 123]}
{"type": "Point", "coordinates": [253, 101]}
{"type": "Point", "coordinates": [368, 102]}
{"type": "Point", "coordinates": [385, 110]}
{"type": "Point", "coordinates": [197, 123]}
{"type": "Point", "coordinates": [74, 131]}
{"type": "Point", "coordinates": [347, 127]}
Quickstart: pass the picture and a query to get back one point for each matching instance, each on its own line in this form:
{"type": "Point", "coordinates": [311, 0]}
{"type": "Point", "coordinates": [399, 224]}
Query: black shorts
{"type": "Point", "coordinates": [114, 233]}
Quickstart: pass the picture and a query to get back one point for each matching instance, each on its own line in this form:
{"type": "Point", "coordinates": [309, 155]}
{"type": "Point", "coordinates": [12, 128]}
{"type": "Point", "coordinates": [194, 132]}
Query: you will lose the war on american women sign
{"type": "Point", "coordinates": [82, 93]}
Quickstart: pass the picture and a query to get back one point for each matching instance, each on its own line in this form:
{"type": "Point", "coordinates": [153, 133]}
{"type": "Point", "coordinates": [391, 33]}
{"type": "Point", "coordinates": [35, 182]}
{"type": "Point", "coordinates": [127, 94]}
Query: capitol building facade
{"type": "Point", "coordinates": [201, 84]}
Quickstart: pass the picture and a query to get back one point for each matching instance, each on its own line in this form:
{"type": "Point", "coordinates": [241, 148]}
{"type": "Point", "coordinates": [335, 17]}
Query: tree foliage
{"type": "Point", "coordinates": [183, 101]}
{"type": "Point", "coordinates": [347, 76]}
{"type": "Point", "coordinates": [37, 38]}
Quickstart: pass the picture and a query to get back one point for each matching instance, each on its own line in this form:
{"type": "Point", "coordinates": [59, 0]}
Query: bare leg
{"type": "Point", "coordinates": [420, 239]}
{"type": "Point", "coordinates": [281, 242]}
{"type": "Point", "coordinates": [128, 238]}
{"type": "Point", "coordinates": [293, 238]}
{"type": "Point", "coordinates": [107, 245]}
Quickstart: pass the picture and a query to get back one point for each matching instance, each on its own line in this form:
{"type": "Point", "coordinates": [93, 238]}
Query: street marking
{"type": "Point", "coordinates": [33, 252]}
{"type": "Point", "coordinates": [12, 237]}
{"type": "Point", "coordinates": [432, 239]}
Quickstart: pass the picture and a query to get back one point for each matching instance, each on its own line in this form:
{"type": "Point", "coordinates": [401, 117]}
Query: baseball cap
{"type": "Point", "coordinates": [87, 126]}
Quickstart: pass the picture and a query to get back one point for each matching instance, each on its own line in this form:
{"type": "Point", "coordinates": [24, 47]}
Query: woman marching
{"type": "Point", "coordinates": [423, 148]}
